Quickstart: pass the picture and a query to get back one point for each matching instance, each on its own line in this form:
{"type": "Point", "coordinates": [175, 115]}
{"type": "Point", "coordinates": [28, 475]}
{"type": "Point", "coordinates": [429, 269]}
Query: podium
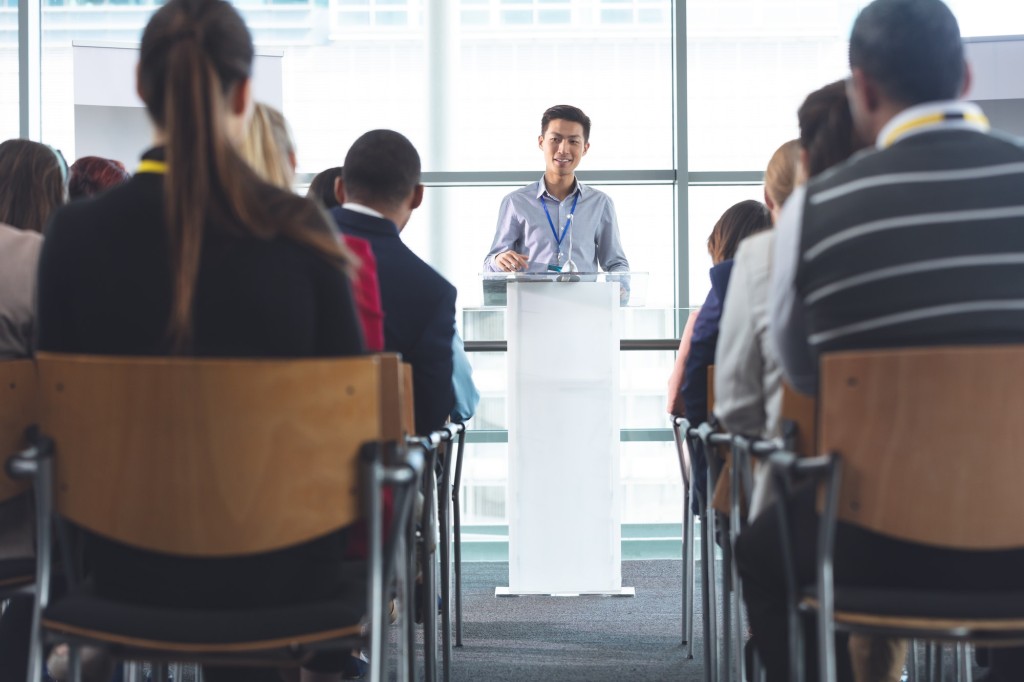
{"type": "Point", "coordinates": [563, 393]}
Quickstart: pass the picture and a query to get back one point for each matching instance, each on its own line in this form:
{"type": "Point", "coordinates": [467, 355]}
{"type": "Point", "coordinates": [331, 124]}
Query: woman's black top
{"type": "Point", "coordinates": [105, 288]}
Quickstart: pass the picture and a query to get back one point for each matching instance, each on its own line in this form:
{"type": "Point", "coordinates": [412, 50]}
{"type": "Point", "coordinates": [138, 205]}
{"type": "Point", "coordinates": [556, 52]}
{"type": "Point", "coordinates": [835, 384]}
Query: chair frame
{"type": "Point", "coordinates": [400, 472]}
{"type": "Point", "coordinates": [827, 470]}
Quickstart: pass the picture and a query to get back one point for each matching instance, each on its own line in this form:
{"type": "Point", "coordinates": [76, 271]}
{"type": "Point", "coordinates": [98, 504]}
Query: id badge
{"type": "Point", "coordinates": [554, 268]}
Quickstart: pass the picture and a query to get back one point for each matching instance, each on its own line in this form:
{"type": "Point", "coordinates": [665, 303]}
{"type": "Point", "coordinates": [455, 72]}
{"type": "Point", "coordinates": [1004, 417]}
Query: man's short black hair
{"type": "Point", "coordinates": [566, 112]}
{"type": "Point", "coordinates": [910, 48]}
{"type": "Point", "coordinates": [381, 168]}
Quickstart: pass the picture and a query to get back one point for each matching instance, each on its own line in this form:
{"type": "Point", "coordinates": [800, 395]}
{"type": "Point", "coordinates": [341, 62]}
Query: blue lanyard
{"type": "Point", "coordinates": [568, 221]}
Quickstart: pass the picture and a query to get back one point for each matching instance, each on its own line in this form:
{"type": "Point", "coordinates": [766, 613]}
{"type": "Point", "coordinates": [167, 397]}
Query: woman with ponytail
{"type": "Point", "coordinates": [196, 255]}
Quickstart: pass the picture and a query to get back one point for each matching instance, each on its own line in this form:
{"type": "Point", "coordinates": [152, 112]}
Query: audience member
{"type": "Point", "coordinates": [379, 190]}
{"type": "Point", "coordinates": [779, 180]}
{"type": "Point", "coordinates": [737, 223]}
{"type": "Point", "coordinates": [271, 152]}
{"type": "Point", "coordinates": [675, 379]}
{"type": "Point", "coordinates": [782, 175]}
{"type": "Point", "coordinates": [467, 397]}
{"type": "Point", "coordinates": [268, 146]}
{"type": "Point", "coordinates": [91, 175]}
{"type": "Point", "coordinates": [748, 379]}
{"type": "Point", "coordinates": [196, 255]}
{"type": "Point", "coordinates": [323, 188]}
{"type": "Point", "coordinates": [847, 276]}
{"type": "Point", "coordinates": [31, 188]}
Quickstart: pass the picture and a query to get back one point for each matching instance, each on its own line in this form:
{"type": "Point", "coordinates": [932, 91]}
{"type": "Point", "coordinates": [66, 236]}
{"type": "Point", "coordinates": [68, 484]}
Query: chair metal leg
{"type": "Point", "coordinates": [405, 641]}
{"type": "Point", "coordinates": [912, 673]}
{"type": "Point", "coordinates": [429, 580]}
{"type": "Point", "coordinates": [757, 671]}
{"type": "Point", "coordinates": [706, 557]}
{"type": "Point", "coordinates": [75, 663]}
{"type": "Point", "coordinates": [407, 624]}
{"type": "Point", "coordinates": [711, 643]}
{"type": "Point", "coordinates": [444, 501]}
{"type": "Point", "coordinates": [965, 655]}
{"type": "Point", "coordinates": [687, 544]}
{"type": "Point", "coordinates": [457, 532]}
{"type": "Point", "coordinates": [726, 664]}
{"type": "Point", "coordinates": [735, 524]}
{"type": "Point", "coordinates": [159, 672]}
{"type": "Point", "coordinates": [688, 573]}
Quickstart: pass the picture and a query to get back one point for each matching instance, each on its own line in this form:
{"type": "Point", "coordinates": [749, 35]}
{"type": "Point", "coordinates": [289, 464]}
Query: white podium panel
{"type": "Point", "coordinates": [563, 487]}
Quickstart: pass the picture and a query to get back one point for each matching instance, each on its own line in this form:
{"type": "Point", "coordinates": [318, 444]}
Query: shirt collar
{"type": "Point", "coordinates": [359, 208]}
{"type": "Point", "coordinates": [542, 188]}
{"type": "Point", "coordinates": [921, 118]}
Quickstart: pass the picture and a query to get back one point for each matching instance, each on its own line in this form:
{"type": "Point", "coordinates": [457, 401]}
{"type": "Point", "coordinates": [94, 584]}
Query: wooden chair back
{"type": "Point", "coordinates": [393, 393]}
{"type": "Point", "coordinates": [210, 457]}
{"type": "Point", "coordinates": [711, 390]}
{"type": "Point", "coordinates": [799, 410]}
{"type": "Point", "coordinates": [408, 409]}
{"type": "Point", "coordinates": [929, 440]}
{"type": "Point", "coordinates": [18, 411]}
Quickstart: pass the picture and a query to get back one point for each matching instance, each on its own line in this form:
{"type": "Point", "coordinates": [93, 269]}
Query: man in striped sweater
{"type": "Point", "coordinates": [919, 241]}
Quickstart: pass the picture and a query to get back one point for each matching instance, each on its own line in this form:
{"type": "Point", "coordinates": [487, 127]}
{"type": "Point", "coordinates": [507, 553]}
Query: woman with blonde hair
{"type": "Point", "coordinates": [270, 150]}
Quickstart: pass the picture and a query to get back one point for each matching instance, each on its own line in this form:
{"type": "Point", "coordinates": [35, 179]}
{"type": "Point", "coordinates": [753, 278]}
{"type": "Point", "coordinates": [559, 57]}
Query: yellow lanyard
{"type": "Point", "coordinates": [152, 166]}
{"type": "Point", "coordinates": [932, 119]}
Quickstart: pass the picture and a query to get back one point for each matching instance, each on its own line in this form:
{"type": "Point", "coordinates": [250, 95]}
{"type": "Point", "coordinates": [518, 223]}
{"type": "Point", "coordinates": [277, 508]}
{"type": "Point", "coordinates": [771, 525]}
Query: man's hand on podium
{"type": "Point", "coordinates": [510, 261]}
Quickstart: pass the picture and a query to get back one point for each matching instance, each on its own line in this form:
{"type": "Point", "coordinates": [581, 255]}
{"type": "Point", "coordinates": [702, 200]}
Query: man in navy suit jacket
{"type": "Point", "coordinates": [378, 191]}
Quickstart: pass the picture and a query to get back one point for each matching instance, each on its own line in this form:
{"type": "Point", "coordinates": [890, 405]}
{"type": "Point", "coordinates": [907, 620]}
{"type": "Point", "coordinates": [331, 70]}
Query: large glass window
{"type": "Point", "coordinates": [749, 66]}
{"type": "Point", "coordinates": [515, 59]}
{"type": "Point", "coordinates": [9, 125]}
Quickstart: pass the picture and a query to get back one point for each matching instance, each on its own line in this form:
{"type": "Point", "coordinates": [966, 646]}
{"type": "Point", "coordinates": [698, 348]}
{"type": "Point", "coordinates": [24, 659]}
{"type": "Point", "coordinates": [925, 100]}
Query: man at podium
{"type": "Point", "coordinates": [558, 224]}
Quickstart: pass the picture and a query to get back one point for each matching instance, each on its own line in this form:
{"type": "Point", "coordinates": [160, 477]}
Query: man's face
{"type": "Point", "coordinates": [563, 146]}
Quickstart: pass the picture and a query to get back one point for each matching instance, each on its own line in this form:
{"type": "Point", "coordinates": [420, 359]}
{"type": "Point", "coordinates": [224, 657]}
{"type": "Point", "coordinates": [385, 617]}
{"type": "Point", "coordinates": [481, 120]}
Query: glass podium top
{"type": "Point", "coordinates": [633, 291]}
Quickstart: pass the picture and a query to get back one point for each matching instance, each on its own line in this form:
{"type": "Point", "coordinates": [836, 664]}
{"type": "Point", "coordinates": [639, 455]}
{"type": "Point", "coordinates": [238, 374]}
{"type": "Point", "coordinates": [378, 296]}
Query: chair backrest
{"type": "Point", "coordinates": [210, 457]}
{"type": "Point", "coordinates": [18, 411]}
{"type": "Point", "coordinates": [799, 410]}
{"type": "Point", "coordinates": [711, 390]}
{"type": "Point", "coordinates": [929, 440]}
{"type": "Point", "coordinates": [408, 406]}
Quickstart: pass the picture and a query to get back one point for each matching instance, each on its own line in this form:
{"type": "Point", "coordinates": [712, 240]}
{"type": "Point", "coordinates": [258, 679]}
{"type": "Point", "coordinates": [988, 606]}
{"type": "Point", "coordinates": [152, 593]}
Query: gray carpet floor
{"type": "Point", "coordinates": [570, 639]}
{"type": "Point", "coordinates": [584, 639]}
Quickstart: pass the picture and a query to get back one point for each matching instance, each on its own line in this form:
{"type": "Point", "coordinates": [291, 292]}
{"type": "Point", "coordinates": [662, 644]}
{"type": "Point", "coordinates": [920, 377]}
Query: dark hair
{"type": "Point", "coordinates": [194, 52]}
{"type": "Point", "coordinates": [910, 48]}
{"type": "Point", "coordinates": [93, 174]}
{"type": "Point", "coordinates": [31, 184]}
{"type": "Point", "coordinates": [827, 132]}
{"type": "Point", "coordinates": [381, 168]}
{"type": "Point", "coordinates": [566, 112]}
{"type": "Point", "coordinates": [736, 224]}
{"type": "Point", "coordinates": [322, 187]}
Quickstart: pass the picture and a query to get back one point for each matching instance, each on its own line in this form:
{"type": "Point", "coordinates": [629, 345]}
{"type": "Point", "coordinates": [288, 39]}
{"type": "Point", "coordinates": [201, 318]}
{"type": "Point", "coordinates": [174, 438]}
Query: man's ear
{"type": "Point", "coordinates": [241, 97]}
{"type": "Point", "coordinates": [968, 79]}
{"type": "Point", "coordinates": [586, 146]}
{"type": "Point", "coordinates": [866, 91]}
{"type": "Point", "coordinates": [339, 190]}
{"type": "Point", "coordinates": [417, 197]}
{"type": "Point", "coordinates": [540, 142]}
